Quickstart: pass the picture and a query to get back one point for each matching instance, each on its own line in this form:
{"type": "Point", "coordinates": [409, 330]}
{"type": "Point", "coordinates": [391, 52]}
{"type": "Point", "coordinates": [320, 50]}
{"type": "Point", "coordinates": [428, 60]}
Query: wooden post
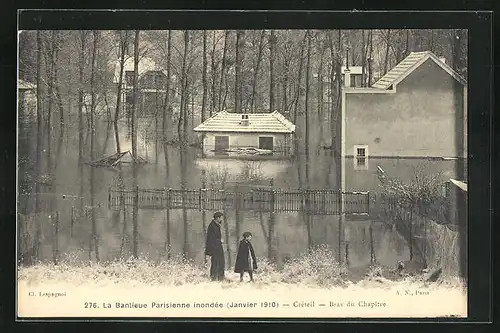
{"type": "Point", "coordinates": [341, 213]}
{"type": "Point", "coordinates": [373, 258]}
{"type": "Point", "coordinates": [425, 241]}
{"type": "Point", "coordinates": [72, 221]}
{"type": "Point", "coordinates": [368, 203]}
{"type": "Point", "coordinates": [410, 226]}
{"type": "Point", "coordinates": [199, 200]}
{"type": "Point", "coordinates": [56, 236]}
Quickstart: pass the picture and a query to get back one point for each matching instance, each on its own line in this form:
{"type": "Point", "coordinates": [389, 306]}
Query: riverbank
{"type": "Point", "coordinates": [306, 287]}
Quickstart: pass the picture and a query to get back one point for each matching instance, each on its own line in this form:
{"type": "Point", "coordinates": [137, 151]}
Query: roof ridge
{"type": "Point", "coordinates": [283, 120]}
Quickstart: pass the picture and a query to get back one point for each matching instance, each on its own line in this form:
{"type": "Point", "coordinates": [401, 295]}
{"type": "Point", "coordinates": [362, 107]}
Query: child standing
{"type": "Point", "coordinates": [245, 259]}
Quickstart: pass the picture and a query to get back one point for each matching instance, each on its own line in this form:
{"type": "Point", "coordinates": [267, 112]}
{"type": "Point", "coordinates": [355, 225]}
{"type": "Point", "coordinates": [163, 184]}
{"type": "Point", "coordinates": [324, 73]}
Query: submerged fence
{"type": "Point", "coordinates": [316, 202]}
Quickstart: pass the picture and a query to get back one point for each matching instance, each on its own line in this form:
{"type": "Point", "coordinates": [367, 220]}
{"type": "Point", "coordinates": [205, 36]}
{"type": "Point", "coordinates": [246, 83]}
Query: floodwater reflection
{"type": "Point", "coordinates": [88, 229]}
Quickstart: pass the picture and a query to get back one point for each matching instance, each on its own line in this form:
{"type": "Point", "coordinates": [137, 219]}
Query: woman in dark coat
{"type": "Point", "coordinates": [213, 248]}
{"type": "Point", "coordinates": [245, 259]}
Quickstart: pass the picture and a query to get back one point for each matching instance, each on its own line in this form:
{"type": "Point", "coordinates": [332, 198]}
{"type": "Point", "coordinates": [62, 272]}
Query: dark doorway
{"type": "Point", "coordinates": [266, 142]}
{"type": "Point", "coordinates": [221, 144]}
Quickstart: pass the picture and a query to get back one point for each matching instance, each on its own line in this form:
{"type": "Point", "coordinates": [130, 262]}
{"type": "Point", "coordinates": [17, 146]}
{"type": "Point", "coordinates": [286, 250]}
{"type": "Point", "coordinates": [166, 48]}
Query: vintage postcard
{"type": "Point", "coordinates": [242, 173]}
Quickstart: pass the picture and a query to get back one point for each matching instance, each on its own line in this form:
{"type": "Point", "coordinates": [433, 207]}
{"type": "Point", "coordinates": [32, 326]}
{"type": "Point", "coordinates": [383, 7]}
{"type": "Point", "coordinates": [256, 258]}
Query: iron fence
{"type": "Point", "coordinates": [318, 202]}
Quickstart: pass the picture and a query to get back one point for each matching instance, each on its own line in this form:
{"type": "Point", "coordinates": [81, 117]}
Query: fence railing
{"type": "Point", "coordinates": [389, 207]}
{"type": "Point", "coordinates": [318, 202]}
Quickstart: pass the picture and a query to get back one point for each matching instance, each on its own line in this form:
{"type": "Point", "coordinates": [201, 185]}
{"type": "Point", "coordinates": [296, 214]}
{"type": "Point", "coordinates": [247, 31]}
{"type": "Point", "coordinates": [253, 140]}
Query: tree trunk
{"type": "Point", "coordinates": [81, 64]}
{"type": "Point", "coordinates": [308, 69]}
{"type": "Point", "coordinates": [320, 81]}
{"type": "Point", "coordinates": [272, 47]}
{"type": "Point", "coordinates": [223, 70]}
{"type": "Point", "coordinates": [407, 46]}
{"type": "Point", "coordinates": [166, 104]}
{"type": "Point", "coordinates": [186, 90]}
{"type": "Point", "coordinates": [204, 77]}
{"type": "Point", "coordinates": [370, 59]}
{"type": "Point", "coordinates": [387, 46]}
{"type": "Point", "coordinates": [123, 49]}
{"type": "Point", "coordinates": [363, 59]}
{"type": "Point", "coordinates": [39, 143]}
{"type": "Point", "coordinates": [135, 93]}
{"type": "Point", "coordinates": [237, 78]}
{"type": "Point", "coordinates": [299, 80]}
{"type": "Point", "coordinates": [92, 143]}
{"type": "Point", "coordinates": [256, 70]}
{"type": "Point", "coordinates": [50, 95]}
{"type": "Point", "coordinates": [182, 111]}
{"type": "Point", "coordinates": [214, 76]}
{"type": "Point", "coordinates": [56, 40]}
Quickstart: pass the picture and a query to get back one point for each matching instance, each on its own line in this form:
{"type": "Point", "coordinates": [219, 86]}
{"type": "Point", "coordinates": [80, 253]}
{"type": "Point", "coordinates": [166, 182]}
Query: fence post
{"type": "Point", "coordinates": [199, 200]}
{"type": "Point", "coordinates": [109, 197]}
{"type": "Point", "coordinates": [168, 198]}
{"type": "Point", "coordinates": [72, 221]}
{"type": "Point", "coordinates": [56, 235]}
{"type": "Point", "coordinates": [368, 203]}
{"type": "Point", "coordinates": [136, 198]}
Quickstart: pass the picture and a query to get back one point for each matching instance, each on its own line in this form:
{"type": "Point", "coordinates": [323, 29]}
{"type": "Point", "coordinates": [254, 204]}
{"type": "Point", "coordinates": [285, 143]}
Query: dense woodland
{"type": "Point", "coordinates": [242, 71]}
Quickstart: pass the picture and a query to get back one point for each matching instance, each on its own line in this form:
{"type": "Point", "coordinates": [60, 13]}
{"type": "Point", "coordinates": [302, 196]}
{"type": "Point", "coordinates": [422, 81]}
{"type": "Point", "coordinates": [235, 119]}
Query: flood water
{"type": "Point", "coordinates": [76, 221]}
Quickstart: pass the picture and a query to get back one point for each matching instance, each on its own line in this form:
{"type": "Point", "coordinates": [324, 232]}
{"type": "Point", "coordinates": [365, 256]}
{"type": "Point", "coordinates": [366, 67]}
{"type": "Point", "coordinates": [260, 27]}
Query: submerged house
{"type": "Point", "coordinates": [414, 115]}
{"type": "Point", "coordinates": [236, 134]}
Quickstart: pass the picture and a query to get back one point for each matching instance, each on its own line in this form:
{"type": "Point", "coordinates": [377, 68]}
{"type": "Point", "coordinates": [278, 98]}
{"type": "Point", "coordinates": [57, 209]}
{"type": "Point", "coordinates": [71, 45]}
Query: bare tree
{"type": "Point", "coordinates": [307, 35]}
{"type": "Point", "coordinates": [272, 51]}
{"type": "Point", "coordinates": [123, 41]}
{"type": "Point", "coordinates": [370, 58]}
{"type": "Point", "coordinates": [166, 104]}
{"type": "Point", "coordinates": [81, 64]}
{"type": "Point", "coordinates": [135, 93]}
{"type": "Point", "coordinates": [39, 143]}
{"type": "Point", "coordinates": [387, 47]}
{"type": "Point", "coordinates": [237, 80]}
{"type": "Point", "coordinates": [223, 72]}
{"type": "Point", "coordinates": [256, 69]}
{"type": "Point", "coordinates": [299, 80]}
{"type": "Point", "coordinates": [204, 77]}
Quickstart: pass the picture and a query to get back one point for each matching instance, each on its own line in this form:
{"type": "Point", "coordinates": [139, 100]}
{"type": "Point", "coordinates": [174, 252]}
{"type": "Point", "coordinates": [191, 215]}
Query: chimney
{"type": "Point", "coordinates": [347, 77]}
{"type": "Point", "coordinates": [244, 120]}
{"type": "Point", "coordinates": [443, 59]}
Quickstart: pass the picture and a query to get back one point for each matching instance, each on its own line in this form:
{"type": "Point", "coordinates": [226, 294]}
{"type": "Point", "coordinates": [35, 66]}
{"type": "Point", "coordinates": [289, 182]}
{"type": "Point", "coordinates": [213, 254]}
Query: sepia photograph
{"type": "Point", "coordinates": [264, 173]}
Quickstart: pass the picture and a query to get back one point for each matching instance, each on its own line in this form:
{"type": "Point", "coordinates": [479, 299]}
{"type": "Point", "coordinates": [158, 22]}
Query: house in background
{"type": "Point", "coordinates": [354, 77]}
{"type": "Point", "coordinates": [152, 81]}
{"type": "Point", "coordinates": [236, 134]}
{"type": "Point", "coordinates": [414, 115]}
{"type": "Point", "coordinates": [354, 74]}
{"type": "Point", "coordinates": [26, 96]}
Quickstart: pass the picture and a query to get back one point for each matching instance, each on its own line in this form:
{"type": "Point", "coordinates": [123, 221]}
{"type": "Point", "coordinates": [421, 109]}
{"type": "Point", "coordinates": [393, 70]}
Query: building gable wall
{"type": "Point", "coordinates": [418, 120]}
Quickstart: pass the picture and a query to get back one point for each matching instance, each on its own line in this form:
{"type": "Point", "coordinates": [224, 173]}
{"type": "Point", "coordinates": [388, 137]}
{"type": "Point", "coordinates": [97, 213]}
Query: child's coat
{"type": "Point", "coordinates": [245, 259]}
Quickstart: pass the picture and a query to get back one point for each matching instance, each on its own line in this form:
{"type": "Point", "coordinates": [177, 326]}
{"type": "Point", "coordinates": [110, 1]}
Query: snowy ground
{"type": "Point", "coordinates": [307, 288]}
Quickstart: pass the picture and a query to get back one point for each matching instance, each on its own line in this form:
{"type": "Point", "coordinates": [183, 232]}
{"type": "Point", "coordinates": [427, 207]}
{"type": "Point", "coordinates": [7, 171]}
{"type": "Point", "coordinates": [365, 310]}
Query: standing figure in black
{"type": "Point", "coordinates": [245, 259]}
{"type": "Point", "coordinates": [213, 248]}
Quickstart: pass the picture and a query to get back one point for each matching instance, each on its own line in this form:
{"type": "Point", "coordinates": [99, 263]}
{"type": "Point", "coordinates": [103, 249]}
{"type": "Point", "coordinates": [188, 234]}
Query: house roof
{"type": "Point", "coordinates": [24, 85]}
{"type": "Point", "coordinates": [459, 184]}
{"type": "Point", "coordinates": [408, 65]}
{"type": "Point", "coordinates": [224, 121]}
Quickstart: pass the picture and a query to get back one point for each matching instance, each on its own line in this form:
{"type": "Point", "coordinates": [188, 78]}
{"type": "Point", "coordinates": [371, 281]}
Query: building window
{"type": "Point", "coordinates": [266, 142]}
{"type": "Point", "coordinates": [129, 78]}
{"type": "Point", "coordinates": [221, 145]}
{"type": "Point", "coordinates": [360, 157]}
